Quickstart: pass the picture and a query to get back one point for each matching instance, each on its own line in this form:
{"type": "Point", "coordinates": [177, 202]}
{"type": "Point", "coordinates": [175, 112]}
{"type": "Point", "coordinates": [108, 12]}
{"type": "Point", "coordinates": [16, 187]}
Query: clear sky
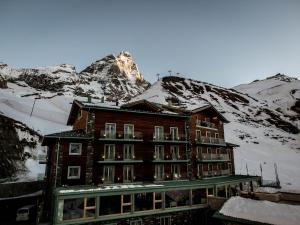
{"type": "Point", "coordinates": [225, 42]}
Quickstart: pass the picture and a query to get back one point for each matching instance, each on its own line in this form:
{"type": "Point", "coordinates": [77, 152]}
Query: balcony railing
{"type": "Point", "coordinates": [205, 156]}
{"type": "Point", "coordinates": [42, 159]}
{"type": "Point", "coordinates": [202, 123]}
{"type": "Point", "coordinates": [169, 158]}
{"type": "Point", "coordinates": [119, 159]}
{"type": "Point", "coordinates": [210, 140]}
{"type": "Point", "coordinates": [167, 137]}
{"type": "Point", "coordinates": [121, 136]}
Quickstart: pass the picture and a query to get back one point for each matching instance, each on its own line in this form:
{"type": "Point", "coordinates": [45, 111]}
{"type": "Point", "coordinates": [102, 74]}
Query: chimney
{"type": "Point", "coordinates": [89, 99]}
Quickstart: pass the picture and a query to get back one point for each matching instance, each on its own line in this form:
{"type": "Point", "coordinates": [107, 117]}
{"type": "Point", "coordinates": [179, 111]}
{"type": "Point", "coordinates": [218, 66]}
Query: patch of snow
{"type": "Point", "coordinates": [261, 211]}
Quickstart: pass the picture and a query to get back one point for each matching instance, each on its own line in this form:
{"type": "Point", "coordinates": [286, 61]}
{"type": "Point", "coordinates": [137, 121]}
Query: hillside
{"type": "Point", "coordinates": [280, 92]}
{"type": "Point", "coordinates": [265, 136]}
{"type": "Point", "coordinates": [40, 98]}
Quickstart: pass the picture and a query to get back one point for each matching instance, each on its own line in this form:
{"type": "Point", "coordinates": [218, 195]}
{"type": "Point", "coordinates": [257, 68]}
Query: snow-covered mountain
{"type": "Point", "coordinates": [280, 92]}
{"type": "Point", "coordinates": [40, 98]}
{"type": "Point", "coordinates": [266, 136]}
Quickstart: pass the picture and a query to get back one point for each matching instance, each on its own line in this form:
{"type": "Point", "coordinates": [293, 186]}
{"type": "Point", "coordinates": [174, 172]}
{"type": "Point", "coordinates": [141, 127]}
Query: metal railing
{"type": "Point", "coordinates": [121, 135]}
{"type": "Point", "coordinates": [168, 137]}
{"type": "Point", "coordinates": [210, 140]}
{"type": "Point", "coordinates": [202, 123]}
{"type": "Point", "coordinates": [205, 156]}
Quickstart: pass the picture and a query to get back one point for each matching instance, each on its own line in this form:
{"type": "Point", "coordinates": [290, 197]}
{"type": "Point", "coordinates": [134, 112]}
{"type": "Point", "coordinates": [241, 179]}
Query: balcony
{"type": "Point", "coordinates": [118, 159]}
{"type": "Point", "coordinates": [169, 159]}
{"type": "Point", "coordinates": [205, 124]}
{"type": "Point", "coordinates": [42, 159]}
{"type": "Point", "coordinates": [168, 138]}
{"type": "Point", "coordinates": [213, 157]}
{"type": "Point", "coordinates": [210, 141]}
{"type": "Point", "coordinates": [121, 136]}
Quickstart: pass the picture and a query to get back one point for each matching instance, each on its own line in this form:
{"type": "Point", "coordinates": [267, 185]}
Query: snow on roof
{"type": "Point", "coordinates": [110, 187]}
{"type": "Point", "coordinates": [261, 211]}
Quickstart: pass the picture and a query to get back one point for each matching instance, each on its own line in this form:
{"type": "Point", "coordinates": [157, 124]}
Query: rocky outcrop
{"type": "Point", "coordinates": [11, 149]}
{"type": "Point", "coordinates": [3, 82]}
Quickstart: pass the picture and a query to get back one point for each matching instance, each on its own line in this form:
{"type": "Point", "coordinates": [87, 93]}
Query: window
{"type": "Point", "coordinates": [109, 152]}
{"type": "Point", "coordinates": [128, 173]}
{"type": "Point", "coordinates": [158, 200]}
{"type": "Point", "coordinates": [218, 151]}
{"type": "Point", "coordinates": [110, 130]}
{"type": "Point", "coordinates": [175, 152]}
{"type": "Point", "coordinates": [199, 152]}
{"type": "Point", "coordinates": [128, 152]}
{"type": "Point", "coordinates": [207, 133]}
{"type": "Point", "coordinates": [177, 198]}
{"type": "Point", "coordinates": [126, 203]}
{"type": "Point", "coordinates": [216, 135]}
{"type": "Point", "coordinates": [89, 207]}
{"type": "Point", "coordinates": [159, 133]}
{"type": "Point", "coordinates": [159, 152]}
{"type": "Point", "coordinates": [143, 201]}
{"type": "Point", "coordinates": [165, 220]}
{"type": "Point", "coordinates": [110, 205]}
{"type": "Point", "coordinates": [71, 209]}
{"type": "Point", "coordinates": [175, 169]}
{"type": "Point", "coordinates": [75, 149]}
{"type": "Point", "coordinates": [128, 131]}
{"type": "Point", "coordinates": [136, 222]}
{"type": "Point", "coordinates": [159, 172]}
{"type": "Point", "coordinates": [73, 172]}
{"type": "Point", "coordinates": [79, 113]}
{"type": "Point", "coordinates": [108, 174]}
{"type": "Point", "coordinates": [174, 133]}
{"type": "Point", "coordinates": [198, 135]}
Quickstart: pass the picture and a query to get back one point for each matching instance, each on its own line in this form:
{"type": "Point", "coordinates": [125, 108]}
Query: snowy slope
{"type": "Point", "coordinates": [280, 92]}
{"type": "Point", "coordinates": [265, 136]}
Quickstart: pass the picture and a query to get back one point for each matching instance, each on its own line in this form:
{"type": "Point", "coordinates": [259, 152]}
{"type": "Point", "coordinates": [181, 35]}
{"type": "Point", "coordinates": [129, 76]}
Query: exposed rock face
{"type": "Point", "coordinates": [190, 93]}
{"type": "Point", "coordinates": [11, 150]}
{"type": "Point", "coordinates": [118, 75]}
{"type": "Point", "coordinates": [3, 82]}
{"type": "Point", "coordinates": [115, 77]}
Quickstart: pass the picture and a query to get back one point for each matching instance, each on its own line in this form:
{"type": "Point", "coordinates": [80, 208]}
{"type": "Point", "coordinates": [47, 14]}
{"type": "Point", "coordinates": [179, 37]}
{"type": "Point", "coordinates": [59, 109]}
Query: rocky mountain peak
{"type": "Point", "coordinates": [282, 77]}
{"type": "Point", "coordinates": [120, 65]}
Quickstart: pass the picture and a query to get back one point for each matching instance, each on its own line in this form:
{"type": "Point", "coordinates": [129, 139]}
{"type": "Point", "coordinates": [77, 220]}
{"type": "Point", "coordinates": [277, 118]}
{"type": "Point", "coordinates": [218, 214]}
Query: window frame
{"type": "Point", "coordinates": [74, 177]}
{"type": "Point", "coordinates": [80, 148]}
{"type": "Point", "coordinates": [159, 149]}
{"type": "Point", "coordinates": [176, 135]}
{"type": "Point", "coordinates": [126, 170]}
{"type": "Point", "coordinates": [109, 151]}
{"type": "Point", "coordinates": [111, 175]}
{"type": "Point", "coordinates": [156, 135]}
{"type": "Point", "coordinates": [125, 133]}
{"type": "Point", "coordinates": [125, 152]}
{"type": "Point", "coordinates": [114, 134]}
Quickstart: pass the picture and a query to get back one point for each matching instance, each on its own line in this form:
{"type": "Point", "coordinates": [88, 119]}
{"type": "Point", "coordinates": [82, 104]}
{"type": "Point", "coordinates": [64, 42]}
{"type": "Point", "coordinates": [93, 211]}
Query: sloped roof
{"type": "Point", "coordinates": [199, 109]}
{"type": "Point", "coordinates": [70, 134]}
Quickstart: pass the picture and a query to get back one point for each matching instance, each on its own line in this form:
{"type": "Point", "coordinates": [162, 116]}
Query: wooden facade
{"type": "Point", "coordinates": [139, 143]}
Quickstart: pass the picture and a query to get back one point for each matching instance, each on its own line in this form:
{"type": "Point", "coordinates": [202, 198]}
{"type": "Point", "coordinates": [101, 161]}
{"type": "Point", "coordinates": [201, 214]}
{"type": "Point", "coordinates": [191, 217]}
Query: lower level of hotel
{"type": "Point", "coordinates": [164, 203]}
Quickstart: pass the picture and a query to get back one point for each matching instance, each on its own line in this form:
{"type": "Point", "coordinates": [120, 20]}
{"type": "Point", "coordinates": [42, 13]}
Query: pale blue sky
{"type": "Point", "coordinates": [225, 42]}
